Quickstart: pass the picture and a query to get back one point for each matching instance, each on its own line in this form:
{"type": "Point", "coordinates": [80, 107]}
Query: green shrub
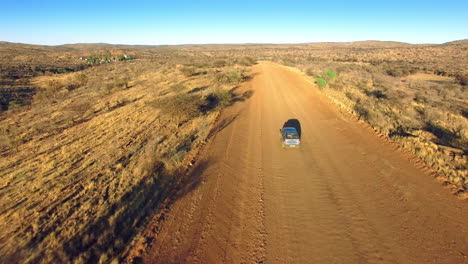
{"type": "Point", "coordinates": [92, 60]}
{"type": "Point", "coordinates": [330, 75]}
{"type": "Point", "coordinates": [321, 82]}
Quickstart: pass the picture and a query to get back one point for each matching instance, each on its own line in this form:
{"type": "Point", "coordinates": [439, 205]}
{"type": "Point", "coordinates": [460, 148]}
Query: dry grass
{"type": "Point", "coordinates": [96, 152]}
{"type": "Point", "coordinates": [418, 104]}
{"type": "Point", "coordinates": [88, 153]}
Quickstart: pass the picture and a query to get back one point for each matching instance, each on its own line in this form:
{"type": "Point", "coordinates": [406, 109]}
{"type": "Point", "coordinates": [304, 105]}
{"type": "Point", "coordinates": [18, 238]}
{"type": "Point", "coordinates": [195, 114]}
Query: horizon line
{"type": "Point", "coordinates": [240, 43]}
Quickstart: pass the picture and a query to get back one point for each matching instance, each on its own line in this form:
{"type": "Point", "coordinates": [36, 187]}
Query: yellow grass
{"type": "Point", "coordinates": [91, 163]}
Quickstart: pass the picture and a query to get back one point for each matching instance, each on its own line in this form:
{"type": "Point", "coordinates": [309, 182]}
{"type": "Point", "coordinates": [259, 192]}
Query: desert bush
{"type": "Point", "coordinates": [311, 72]}
{"type": "Point", "coordinates": [121, 82]}
{"type": "Point", "coordinates": [178, 87]}
{"type": "Point", "coordinates": [247, 61]}
{"type": "Point", "coordinates": [337, 86]}
{"type": "Point", "coordinates": [407, 121]}
{"type": "Point", "coordinates": [398, 69]}
{"type": "Point", "coordinates": [77, 108]}
{"type": "Point", "coordinates": [234, 76]}
{"type": "Point", "coordinates": [54, 85]}
{"type": "Point", "coordinates": [45, 96]}
{"type": "Point", "coordinates": [445, 136]}
{"type": "Point", "coordinates": [231, 77]}
{"type": "Point", "coordinates": [395, 72]}
{"type": "Point", "coordinates": [330, 75]}
{"type": "Point", "coordinates": [352, 96]}
{"type": "Point", "coordinates": [462, 78]}
{"type": "Point", "coordinates": [81, 78]}
{"type": "Point", "coordinates": [219, 63]}
{"type": "Point", "coordinates": [289, 61]}
{"type": "Point", "coordinates": [187, 71]}
{"type": "Point", "coordinates": [464, 112]}
{"type": "Point", "coordinates": [452, 132]}
{"type": "Point", "coordinates": [5, 141]}
{"type": "Point", "coordinates": [13, 105]}
{"type": "Point", "coordinates": [182, 107]}
{"type": "Point", "coordinates": [108, 88]}
{"type": "Point", "coordinates": [379, 94]}
{"type": "Point", "coordinates": [321, 82]}
{"type": "Point", "coordinates": [216, 100]}
{"type": "Point", "coordinates": [462, 93]}
{"type": "Point", "coordinates": [421, 98]}
{"type": "Point", "coordinates": [203, 129]}
{"type": "Point", "coordinates": [361, 110]}
{"type": "Point", "coordinates": [431, 113]}
{"type": "Point", "coordinates": [383, 81]}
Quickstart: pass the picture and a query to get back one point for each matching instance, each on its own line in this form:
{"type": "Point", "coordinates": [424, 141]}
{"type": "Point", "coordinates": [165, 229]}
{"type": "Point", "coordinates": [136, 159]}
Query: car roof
{"type": "Point", "coordinates": [289, 130]}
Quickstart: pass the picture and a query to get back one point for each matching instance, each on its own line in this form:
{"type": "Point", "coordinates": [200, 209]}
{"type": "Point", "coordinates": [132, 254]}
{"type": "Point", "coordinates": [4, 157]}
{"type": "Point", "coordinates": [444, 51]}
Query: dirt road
{"type": "Point", "coordinates": [346, 196]}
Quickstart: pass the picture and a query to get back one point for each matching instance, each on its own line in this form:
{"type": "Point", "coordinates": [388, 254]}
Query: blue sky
{"type": "Point", "coordinates": [200, 22]}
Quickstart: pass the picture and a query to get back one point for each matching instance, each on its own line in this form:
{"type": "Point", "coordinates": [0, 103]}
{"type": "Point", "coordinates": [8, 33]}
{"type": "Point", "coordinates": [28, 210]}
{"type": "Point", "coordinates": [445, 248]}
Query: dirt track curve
{"type": "Point", "coordinates": [346, 196]}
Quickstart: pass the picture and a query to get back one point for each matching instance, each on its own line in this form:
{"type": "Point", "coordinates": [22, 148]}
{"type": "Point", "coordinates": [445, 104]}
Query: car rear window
{"type": "Point", "coordinates": [292, 136]}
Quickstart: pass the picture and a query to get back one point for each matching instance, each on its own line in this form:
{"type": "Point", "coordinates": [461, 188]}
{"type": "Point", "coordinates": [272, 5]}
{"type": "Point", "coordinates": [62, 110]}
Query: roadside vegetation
{"type": "Point", "coordinates": [90, 150]}
{"type": "Point", "coordinates": [95, 151]}
{"type": "Point", "coordinates": [420, 105]}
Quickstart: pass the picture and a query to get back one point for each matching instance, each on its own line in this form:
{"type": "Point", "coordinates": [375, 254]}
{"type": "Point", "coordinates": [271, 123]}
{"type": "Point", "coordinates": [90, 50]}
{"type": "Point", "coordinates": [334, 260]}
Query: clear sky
{"type": "Point", "coordinates": [199, 22]}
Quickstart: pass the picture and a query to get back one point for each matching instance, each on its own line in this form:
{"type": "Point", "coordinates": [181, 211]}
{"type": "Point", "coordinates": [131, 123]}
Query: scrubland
{"type": "Point", "coordinates": [416, 95]}
{"type": "Point", "coordinates": [96, 149]}
{"type": "Point", "coordinates": [89, 151]}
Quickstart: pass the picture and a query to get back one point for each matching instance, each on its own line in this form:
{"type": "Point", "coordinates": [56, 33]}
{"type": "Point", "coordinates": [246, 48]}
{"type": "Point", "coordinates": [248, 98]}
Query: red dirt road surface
{"type": "Point", "coordinates": [345, 196]}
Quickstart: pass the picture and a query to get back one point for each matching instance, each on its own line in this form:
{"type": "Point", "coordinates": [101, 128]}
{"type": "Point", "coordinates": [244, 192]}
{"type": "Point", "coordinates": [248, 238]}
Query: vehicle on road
{"type": "Point", "coordinates": [290, 137]}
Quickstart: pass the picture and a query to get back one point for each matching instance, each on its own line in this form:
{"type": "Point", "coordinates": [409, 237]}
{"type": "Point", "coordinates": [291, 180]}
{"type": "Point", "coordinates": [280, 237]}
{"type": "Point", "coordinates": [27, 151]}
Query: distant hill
{"type": "Point", "coordinates": [100, 46]}
{"type": "Point", "coordinates": [29, 48]}
{"type": "Point", "coordinates": [361, 44]}
{"type": "Point", "coordinates": [463, 42]}
{"type": "Point", "coordinates": [92, 46]}
{"type": "Point", "coordinates": [21, 47]}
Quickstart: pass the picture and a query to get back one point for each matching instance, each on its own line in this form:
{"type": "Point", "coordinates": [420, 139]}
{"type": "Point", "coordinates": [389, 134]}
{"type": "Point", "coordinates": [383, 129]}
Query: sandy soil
{"type": "Point", "coordinates": [345, 196]}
